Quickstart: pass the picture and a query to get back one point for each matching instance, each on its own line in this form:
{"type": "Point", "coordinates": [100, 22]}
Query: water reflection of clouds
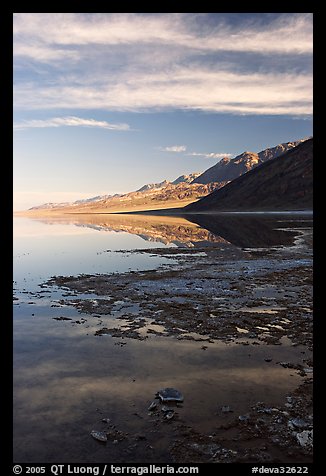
{"type": "Point", "coordinates": [74, 250]}
{"type": "Point", "coordinates": [93, 368]}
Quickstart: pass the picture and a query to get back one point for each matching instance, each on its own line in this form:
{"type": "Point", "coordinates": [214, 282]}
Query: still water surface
{"type": "Point", "coordinates": [66, 379]}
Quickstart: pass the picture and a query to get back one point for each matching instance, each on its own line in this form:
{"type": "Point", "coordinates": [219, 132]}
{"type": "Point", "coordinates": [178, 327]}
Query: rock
{"type": "Point", "coordinates": [169, 415]}
{"type": "Point", "coordinates": [206, 449]}
{"type": "Point", "coordinates": [267, 410]}
{"type": "Point", "coordinates": [165, 409]}
{"type": "Point", "coordinates": [288, 365]}
{"type": "Point", "coordinates": [170, 395]}
{"type": "Point", "coordinates": [244, 417]}
{"type": "Point", "coordinates": [308, 370]}
{"type": "Point", "coordinates": [268, 359]}
{"type": "Point", "coordinates": [152, 406]}
{"type": "Point", "coordinates": [226, 409]}
{"type": "Point", "coordinates": [62, 318]}
{"type": "Point", "coordinates": [305, 438]}
{"type": "Point", "coordinates": [99, 435]}
{"type": "Point", "coordinates": [106, 420]}
{"type": "Point", "coordinates": [298, 423]}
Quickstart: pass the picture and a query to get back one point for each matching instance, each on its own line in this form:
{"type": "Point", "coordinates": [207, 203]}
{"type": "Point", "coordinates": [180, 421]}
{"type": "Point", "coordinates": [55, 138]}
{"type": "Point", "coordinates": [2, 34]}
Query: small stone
{"type": "Point", "coordinates": [115, 442]}
{"type": "Point", "coordinates": [99, 435]}
{"type": "Point", "coordinates": [170, 395]}
{"type": "Point", "coordinates": [165, 409]}
{"type": "Point", "coordinates": [226, 409]}
{"type": "Point", "coordinates": [62, 318]}
{"type": "Point", "coordinates": [243, 417]}
{"type": "Point", "coordinates": [169, 415]}
{"type": "Point", "coordinates": [106, 420]}
{"type": "Point", "coordinates": [267, 410]}
{"type": "Point", "coordinates": [305, 438]}
{"type": "Point", "coordinates": [268, 359]}
{"type": "Point", "coordinates": [152, 406]}
{"type": "Point", "coordinates": [298, 423]}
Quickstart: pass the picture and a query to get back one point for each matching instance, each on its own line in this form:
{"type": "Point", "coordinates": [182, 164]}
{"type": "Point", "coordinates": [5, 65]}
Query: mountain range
{"type": "Point", "coordinates": [192, 189]}
{"type": "Point", "coordinates": [284, 183]}
{"type": "Point", "coordinates": [229, 169]}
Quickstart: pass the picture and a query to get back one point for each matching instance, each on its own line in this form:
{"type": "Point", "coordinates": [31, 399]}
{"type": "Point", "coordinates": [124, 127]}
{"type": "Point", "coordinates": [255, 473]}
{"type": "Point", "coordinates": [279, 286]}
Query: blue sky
{"type": "Point", "coordinates": [104, 103]}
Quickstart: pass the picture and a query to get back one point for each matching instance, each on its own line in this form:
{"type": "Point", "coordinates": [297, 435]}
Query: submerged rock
{"type": "Point", "coordinates": [152, 406]}
{"type": "Point", "coordinates": [305, 438]}
{"type": "Point", "coordinates": [62, 318]}
{"type": "Point", "coordinates": [243, 417]}
{"type": "Point", "coordinates": [226, 409]}
{"type": "Point", "coordinates": [106, 420]}
{"type": "Point", "coordinates": [169, 415]}
{"type": "Point", "coordinates": [99, 435]}
{"type": "Point", "coordinates": [298, 423]}
{"type": "Point", "coordinates": [170, 395]}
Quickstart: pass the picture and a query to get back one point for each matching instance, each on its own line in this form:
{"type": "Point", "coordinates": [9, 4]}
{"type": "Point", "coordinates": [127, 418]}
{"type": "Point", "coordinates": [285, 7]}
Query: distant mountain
{"type": "Point", "coordinates": [229, 169]}
{"type": "Point", "coordinates": [52, 205]}
{"type": "Point", "coordinates": [283, 183]}
{"type": "Point", "coordinates": [153, 186]}
{"type": "Point", "coordinates": [186, 178]}
{"type": "Point", "coordinates": [182, 179]}
{"type": "Point", "coordinates": [180, 190]}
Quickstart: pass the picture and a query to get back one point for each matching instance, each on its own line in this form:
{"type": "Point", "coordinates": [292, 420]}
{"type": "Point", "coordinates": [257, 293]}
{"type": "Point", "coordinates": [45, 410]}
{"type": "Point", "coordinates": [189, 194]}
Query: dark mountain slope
{"type": "Point", "coordinates": [283, 183]}
{"type": "Point", "coordinates": [229, 169]}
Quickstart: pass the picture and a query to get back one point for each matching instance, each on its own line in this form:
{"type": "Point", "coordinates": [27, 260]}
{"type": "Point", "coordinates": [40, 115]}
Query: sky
{"type": "Point", "coordinates": [107, 102]}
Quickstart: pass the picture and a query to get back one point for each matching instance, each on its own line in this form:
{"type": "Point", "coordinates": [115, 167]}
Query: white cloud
{"type": "Point", "coordinates": [174, 148]}
{"type": "Point", "coordinates": [210, 155]}
{"type": "Point", "coordinates": [70, 121]}
{"type": "Point", "coordinates": [137, 62]}
{"type": "Point", "coordinates": [190, 88]}
{"type": "Point", "coordinates": [43, 53]}
{"type": "Point", "coordinates": [290, 33]}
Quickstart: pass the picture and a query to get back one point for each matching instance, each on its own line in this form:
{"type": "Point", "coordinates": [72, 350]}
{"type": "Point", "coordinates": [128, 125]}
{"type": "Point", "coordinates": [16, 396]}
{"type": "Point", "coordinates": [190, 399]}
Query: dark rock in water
{"type": "Point", "coordinates": [298, 423]}
{"type": "Point", "coordinates": [62, 318]}
{"type": "Point", "coordinates": [99, 435]}
{"type": "Point", "coordinates": [243, 417]}
{"type": "Point", "coordinates": [106, 420]}
{"type": "Point", "coordinates": [169, 415]}
{"type": "Point", "coordinates": [170, 395]}
{"type": "Point", "coordinates": [305, 438]}
{"type": "Point", "coordinates": [226, 409]}
{"type": "Point", "coordinates": [152, 406]}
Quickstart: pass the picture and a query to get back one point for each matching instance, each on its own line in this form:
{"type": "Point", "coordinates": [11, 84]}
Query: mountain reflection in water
{"type": "Point", "coordinates": [252, 231]}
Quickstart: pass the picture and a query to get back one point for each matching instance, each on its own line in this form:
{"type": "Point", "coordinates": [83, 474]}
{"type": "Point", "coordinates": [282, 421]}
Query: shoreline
{"type": "Point", "coordinates": [161, 212]}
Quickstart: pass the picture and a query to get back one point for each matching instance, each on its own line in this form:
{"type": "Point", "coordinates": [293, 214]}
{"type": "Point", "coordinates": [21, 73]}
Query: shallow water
{"type": "Point", "coordinates": [66, 379]}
